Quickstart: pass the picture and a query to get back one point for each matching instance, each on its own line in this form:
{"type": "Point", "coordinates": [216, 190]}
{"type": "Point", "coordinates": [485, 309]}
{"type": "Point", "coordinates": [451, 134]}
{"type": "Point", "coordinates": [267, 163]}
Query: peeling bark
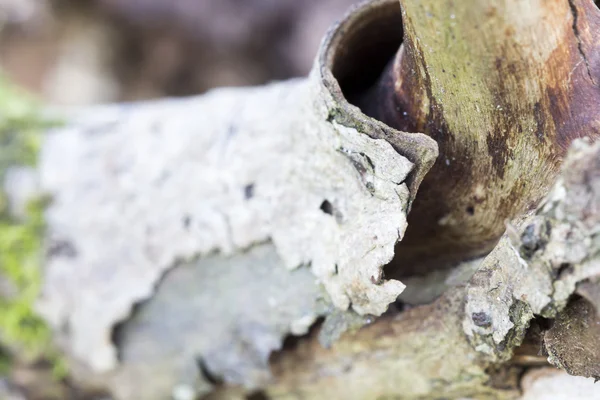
{"type": "Point", "coordinates": [419, 353]}
{"type": "Point", "coordinates": [423, 347]}
{"type": "Point", "coordinates": [215, 184]}
{"type": "Point", "coordinates": [187, 238]}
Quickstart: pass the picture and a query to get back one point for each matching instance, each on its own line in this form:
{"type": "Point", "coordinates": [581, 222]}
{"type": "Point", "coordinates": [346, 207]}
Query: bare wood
{"type": "Point", "coordinates": [503, 87]}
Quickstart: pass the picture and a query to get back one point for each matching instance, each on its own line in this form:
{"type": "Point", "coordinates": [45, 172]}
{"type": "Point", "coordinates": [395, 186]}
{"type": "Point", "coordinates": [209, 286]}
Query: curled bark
{"type": "Point", "coordinates": [442, 349]}
{"type": "Point", "coordinates": [424, 347]}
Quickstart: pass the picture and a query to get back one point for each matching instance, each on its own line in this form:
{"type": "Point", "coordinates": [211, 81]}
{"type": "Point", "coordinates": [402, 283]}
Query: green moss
{"type": "Point", "coordinates": [20, 244]}
{"type": "Point", "coordinates": [21, 126]}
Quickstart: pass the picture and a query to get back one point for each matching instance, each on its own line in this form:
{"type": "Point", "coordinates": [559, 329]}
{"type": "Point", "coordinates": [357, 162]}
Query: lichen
{"type": "Point", "coordinates": [21, 330]}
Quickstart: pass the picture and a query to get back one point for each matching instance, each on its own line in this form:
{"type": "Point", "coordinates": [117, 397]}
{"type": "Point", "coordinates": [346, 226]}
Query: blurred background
{"type": "Point", "coordinates": [94, 51]}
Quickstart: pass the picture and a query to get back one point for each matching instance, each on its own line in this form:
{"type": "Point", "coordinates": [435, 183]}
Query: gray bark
{"type": "Point", "coordinates": [186, 239]}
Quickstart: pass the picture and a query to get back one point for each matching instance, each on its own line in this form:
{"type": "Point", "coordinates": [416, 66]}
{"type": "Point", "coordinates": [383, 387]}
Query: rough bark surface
{"type": "Point", "coordinates": [572, 342]}
{"type": "Point", "coordinates": [186, 238]}
{"type": "Point", "coordinates": [420, 353]}
{"type": "Point", "coordinates": [535, 271]}
{"type": "Point", "coordinates": [251, 166]}
{"type": "Point", "coordinates": [520, 279]}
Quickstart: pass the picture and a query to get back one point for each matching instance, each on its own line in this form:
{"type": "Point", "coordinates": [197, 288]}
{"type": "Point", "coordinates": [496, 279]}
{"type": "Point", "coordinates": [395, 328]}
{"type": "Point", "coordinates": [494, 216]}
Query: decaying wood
{"type": "Point", "coordinates": [536, 271]}
{"type": "Point", "coordinates": [217, 184]}
{"type": "Point", "coordinates": [187, 238]}
{"type": "Point", "coordinates": [503, 87]}
{"type": "Point", "coordinates": [424, 353]}
{"type": "Point", "coordinates": [421, 352]}
{"type": "Point", "coordinates": [253, 167]}
{"type": "Point", "coordinates": [572, 342]}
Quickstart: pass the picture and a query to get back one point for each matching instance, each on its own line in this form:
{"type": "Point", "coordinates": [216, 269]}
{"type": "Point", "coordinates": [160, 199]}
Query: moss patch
{"type": "Point", "coordinates": [21, 126]}
{"type": "Point", "coordinates": [20, 244]}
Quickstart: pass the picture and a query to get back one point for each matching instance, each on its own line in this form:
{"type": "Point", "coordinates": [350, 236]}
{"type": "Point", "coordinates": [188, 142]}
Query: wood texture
{"type": "Point", "coordinates": [503, 87]}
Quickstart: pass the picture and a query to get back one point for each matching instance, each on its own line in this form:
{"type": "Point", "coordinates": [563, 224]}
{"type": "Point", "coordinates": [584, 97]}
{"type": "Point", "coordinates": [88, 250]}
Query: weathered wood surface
{"type": "Point", "coordinates": [187, 238]}
{"type": "Point", "coordinates": [266, 213]}
{"type": "Point", "coordinates": [504, 87]}
{"type": "Point", "coordinates": [444, 348]}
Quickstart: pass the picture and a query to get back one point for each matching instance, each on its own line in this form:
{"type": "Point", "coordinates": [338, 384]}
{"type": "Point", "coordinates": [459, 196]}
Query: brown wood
{"type": "Point", "coordinates": [503, 87]}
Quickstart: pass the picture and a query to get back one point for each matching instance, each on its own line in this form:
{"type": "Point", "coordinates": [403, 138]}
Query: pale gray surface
{"type": "Point", "coordinates": [187, 322]}
{"type": "Point", "coordinates": [553, 384]}
{"type": "Point", "coordinates": [137, 188]}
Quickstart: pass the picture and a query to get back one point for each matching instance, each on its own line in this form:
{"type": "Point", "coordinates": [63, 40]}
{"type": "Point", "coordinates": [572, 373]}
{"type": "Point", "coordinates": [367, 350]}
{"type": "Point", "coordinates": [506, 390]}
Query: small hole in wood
{"type": "Point", "coordinates": [564, 269]}
{"type": "Point", "coordinates": [327, 207]}
{"type": "Point", "coordinates": [249, 191]}
{"type": "Point", "coordinates": [187, 220]}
